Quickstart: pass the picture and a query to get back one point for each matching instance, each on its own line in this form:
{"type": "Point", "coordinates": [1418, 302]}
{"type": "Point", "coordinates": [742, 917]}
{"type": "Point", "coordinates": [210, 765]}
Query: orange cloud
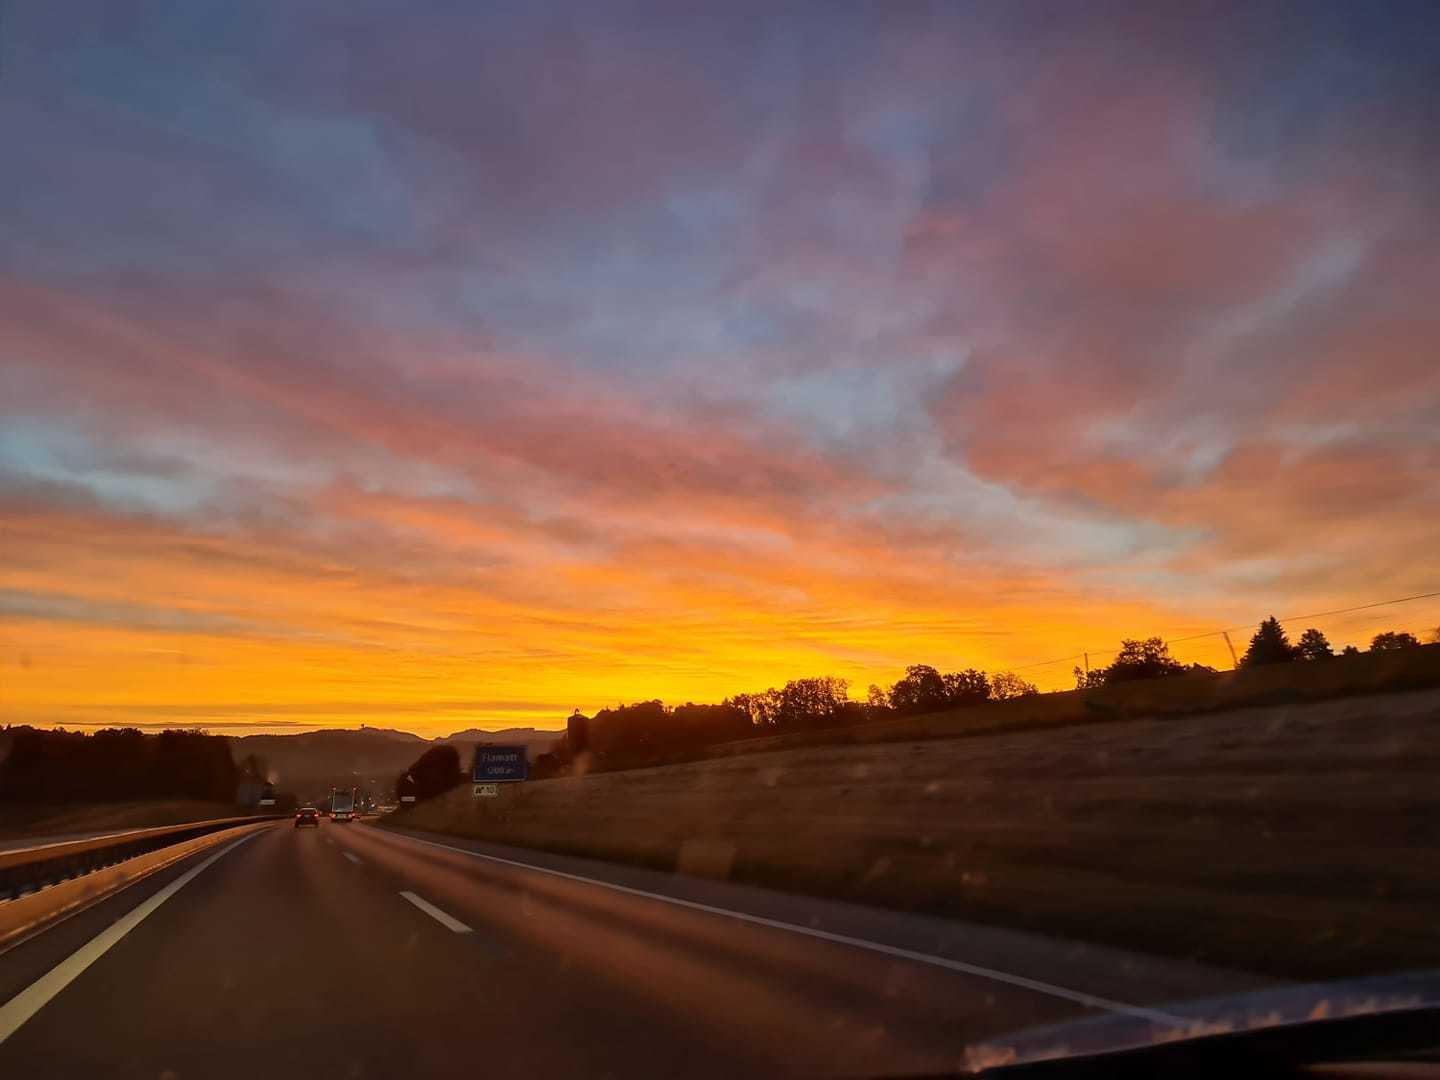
{"type": "Point", "coordinates": [970, 371]}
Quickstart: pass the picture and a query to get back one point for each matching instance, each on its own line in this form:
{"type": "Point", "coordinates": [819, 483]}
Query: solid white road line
{"type": "Point", "coordinates": [352, 857]}
{"type": "Point", "coordinates": [435, 913]}
{"type": "Point", "coordinates": [34, 997]}
{"type": "Point", "coordinates": [1063, 992]}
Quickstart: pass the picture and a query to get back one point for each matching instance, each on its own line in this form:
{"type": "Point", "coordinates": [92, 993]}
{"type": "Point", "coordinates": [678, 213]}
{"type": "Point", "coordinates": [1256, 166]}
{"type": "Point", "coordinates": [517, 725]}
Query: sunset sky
{"type": "Point", "coordinates": [434, 366]}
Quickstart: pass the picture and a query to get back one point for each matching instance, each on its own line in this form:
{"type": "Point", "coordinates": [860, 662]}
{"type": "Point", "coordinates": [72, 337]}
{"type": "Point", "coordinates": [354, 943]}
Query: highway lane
{"type": "Point", "coordinates": [359, 952]}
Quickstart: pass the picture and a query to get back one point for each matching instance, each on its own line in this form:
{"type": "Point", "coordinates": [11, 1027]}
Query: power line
{"type": "Point", "coordinates": [1217, 633]}
{"type": "Point", "coordinates": [1047, 663]}
{"type": "Point", "coordinates": [1361, 607]}
{"type": "Point", "coordinates": [1320, 614]}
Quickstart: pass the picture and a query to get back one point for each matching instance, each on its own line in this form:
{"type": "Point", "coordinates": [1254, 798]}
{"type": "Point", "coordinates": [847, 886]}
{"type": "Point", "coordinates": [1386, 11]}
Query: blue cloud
{"type": "Point", "coordinates": [54, 454]}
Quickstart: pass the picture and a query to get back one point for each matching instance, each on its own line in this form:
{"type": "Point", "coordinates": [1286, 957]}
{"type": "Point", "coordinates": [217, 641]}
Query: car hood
{"type": "Point", "coordinates": [1307, 1006]}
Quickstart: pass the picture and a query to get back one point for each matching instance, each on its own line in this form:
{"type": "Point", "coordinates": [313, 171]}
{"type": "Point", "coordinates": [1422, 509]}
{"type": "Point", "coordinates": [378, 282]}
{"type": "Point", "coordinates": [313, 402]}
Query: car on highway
{"type": "Point", "coordinates": [307, 815]}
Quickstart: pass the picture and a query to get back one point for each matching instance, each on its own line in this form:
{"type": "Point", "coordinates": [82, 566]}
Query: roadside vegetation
{"type": "Point", "coordinates": [1295, 842]}
{"type": "Point", "coordinates": [54, 782]}
{"type": "Point", "coordinates": [433, 773]}
{"type": "Point", "coordinates": [652, 733]}
{"type": "Point", "coordinates": [116, 765]}
{"type": "Point", "coordinates": [39, 767]}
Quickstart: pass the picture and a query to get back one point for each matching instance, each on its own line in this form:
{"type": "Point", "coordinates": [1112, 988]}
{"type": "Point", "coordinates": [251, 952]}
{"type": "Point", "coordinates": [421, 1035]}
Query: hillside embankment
{"type": "Point", "coordinates": [1294, 839]}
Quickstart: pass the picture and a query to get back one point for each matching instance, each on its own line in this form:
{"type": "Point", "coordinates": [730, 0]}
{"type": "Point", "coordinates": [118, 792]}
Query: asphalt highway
{"type": "Point", "coordinates": [352, 951]}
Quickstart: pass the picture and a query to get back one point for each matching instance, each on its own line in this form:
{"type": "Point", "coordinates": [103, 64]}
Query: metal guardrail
{"type": "Point", "coordinates": [27, 870]}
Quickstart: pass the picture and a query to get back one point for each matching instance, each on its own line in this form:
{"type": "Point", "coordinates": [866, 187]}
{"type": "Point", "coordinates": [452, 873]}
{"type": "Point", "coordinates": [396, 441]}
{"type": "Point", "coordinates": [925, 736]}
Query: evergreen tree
{"type": "Point", "coordinates": [1269, 645]}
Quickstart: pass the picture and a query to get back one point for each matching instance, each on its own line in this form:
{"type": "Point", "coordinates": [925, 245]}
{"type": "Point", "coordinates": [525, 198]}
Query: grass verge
{"type": "Point", "coordinates": [1291, 840]}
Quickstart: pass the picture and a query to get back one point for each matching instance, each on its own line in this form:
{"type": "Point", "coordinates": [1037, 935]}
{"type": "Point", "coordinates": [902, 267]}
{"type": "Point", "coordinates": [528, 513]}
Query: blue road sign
{"type": "Point", "coordinates": [498, 764]}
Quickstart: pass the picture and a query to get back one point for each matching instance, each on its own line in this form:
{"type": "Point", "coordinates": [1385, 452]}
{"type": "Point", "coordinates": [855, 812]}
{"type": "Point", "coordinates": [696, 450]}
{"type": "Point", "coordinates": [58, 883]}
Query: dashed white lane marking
{"type": "Point", "coordinates": [447, 921]}
{"type": "Point", "coordinates": [34, 997]}
{"type": "Point", "coordinates": [352, 857]}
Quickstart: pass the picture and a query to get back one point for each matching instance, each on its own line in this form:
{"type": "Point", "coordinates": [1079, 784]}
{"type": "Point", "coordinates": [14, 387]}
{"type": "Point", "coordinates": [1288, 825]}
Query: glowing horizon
{"type": "Point", "coordinates": [458, 370]}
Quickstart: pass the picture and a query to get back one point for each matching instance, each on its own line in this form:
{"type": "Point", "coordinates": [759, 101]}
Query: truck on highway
{"type": "Point", "coordinates": [342, 804]}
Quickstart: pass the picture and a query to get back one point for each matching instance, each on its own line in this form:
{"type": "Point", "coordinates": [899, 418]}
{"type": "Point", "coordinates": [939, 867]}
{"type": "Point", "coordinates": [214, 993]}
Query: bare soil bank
{"type": "Point", "coordinates": [1294, 840]}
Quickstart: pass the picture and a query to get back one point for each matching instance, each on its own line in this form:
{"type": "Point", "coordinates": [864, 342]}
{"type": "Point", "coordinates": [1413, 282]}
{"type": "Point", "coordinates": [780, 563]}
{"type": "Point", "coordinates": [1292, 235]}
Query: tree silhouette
{"type": "Point", "coordinates": [968, 687]}
{"type": "Point", "coordinates": [924, 689]}
{"type": "Point", "coordinates": [1088, 680]}
{"type": "Point", "coordinates": [1005, 685]}
{"type": "Point", "coordinates": [1269, 645]}
{"type": "Point", "coordinates": [1391, 640]}
{"type": "Point", "coordinates": [435, 772]}
{"type": "Point", "coordinates": [1350, 650]}
{"type": "Point", "coordinates": [812, 703]}
{"type": "Point", "coordinates": [1147, 659]}
{"type": "Point", "coordinates": [1313, 646]}
{"type": "Point", "coordinates": [116, 764]}
{"type": "Point", "coordinates": [921, 690]}
{"type": "Point", "coordinates": [254, 767]}
{"type": "Point", "coordinates": [703, 725]}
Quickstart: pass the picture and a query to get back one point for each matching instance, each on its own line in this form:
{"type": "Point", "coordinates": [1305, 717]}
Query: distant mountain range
{"type": "Point", "coordinates": [308, 764]}
{"type": "Point", "coordinates": [311, 762]}
{"type": "Point", "coordinates": [514, 734]}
